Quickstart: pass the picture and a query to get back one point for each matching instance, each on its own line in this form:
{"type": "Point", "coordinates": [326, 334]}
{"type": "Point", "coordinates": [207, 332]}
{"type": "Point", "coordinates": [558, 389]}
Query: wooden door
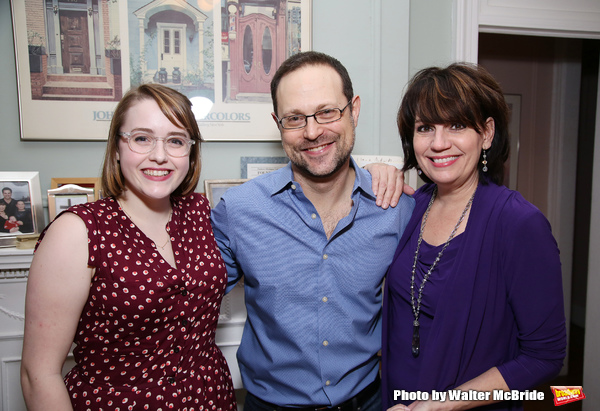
{"type": "Point", "coordinates": [74, 42]}
{"type": "Point", "coordinates": [257, 53]}
{"type": "Point", "coordinates": [171, 47]}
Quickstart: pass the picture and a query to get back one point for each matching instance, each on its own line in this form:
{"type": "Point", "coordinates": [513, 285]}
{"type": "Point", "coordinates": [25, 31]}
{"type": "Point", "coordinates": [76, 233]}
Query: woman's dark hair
{"type": "Point", "coordinates": [461, 93]}
{"type": "Point", "coordinates": [311, 58]}
{"type": "Point", "coordinates": [178, 109]}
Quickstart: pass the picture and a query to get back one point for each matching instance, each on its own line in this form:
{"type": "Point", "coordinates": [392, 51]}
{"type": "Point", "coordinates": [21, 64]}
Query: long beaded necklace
{"type": "Point", "coordinates": [416, 341]}
{"type": "Point", "coordinates": [162, 247]}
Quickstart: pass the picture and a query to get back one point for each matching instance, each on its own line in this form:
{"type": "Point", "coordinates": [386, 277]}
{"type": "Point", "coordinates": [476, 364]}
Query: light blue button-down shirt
{"type": "Point", "coordinates": [314, 304]}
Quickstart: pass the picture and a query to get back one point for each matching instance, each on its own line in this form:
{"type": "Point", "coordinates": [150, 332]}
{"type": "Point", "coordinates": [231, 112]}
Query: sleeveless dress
{"type": "Point", "coordinates": [146, 337]}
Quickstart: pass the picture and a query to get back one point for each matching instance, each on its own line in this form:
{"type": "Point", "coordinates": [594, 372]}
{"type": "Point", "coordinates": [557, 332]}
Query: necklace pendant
{"type": "Point", "coordinates": [416, 342]}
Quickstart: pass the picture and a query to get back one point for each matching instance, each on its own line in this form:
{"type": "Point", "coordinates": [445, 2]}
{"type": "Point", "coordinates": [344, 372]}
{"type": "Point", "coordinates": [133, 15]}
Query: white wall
{"type": "Point", "coordinates": [371, 38]}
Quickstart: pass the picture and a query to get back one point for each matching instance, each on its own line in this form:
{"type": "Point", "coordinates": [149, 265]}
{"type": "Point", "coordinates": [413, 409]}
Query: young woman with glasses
{"type": "Point", "coordinates": [135, 279]}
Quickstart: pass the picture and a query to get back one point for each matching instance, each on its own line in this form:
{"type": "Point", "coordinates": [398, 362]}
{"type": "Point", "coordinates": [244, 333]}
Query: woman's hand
{"type": "Point", "coordinates": [428, 405]}
{"type": "Point", "coordinates": [388, 184]}
{"type": "Point", "coordinates": [399, 407]}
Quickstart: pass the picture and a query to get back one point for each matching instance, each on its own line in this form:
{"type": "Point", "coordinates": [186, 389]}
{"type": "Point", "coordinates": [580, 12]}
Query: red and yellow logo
{"type": "Point", "coordinates": [564, 395]}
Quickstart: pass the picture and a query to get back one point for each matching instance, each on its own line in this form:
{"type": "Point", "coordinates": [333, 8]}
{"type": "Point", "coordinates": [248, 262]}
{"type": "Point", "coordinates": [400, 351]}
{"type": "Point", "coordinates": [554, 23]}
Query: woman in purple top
{"type": "Point", "coordinates": [473, 298]}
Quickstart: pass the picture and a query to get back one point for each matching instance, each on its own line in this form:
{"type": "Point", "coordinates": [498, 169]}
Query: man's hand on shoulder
{"type": "Point", "coordinates": [388, 184]}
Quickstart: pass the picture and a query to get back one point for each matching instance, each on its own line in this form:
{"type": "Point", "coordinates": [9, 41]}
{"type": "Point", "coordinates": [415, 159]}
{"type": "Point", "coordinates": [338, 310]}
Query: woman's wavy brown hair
{"type": "Point", "coordinates": [178, 109]}
{"type": "Point", "coordinates": [461, 93]}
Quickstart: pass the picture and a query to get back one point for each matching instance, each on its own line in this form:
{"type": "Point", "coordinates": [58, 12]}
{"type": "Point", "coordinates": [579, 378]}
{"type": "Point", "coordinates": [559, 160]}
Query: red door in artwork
{"type": "Point", "coordinates": [256, 56]}
{"type": "Point", "coordinates": [74, 42]}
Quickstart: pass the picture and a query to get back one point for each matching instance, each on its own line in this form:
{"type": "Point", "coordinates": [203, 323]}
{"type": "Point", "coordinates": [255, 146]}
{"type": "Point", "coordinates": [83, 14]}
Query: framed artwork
{"type": "Point", "coordinates": [410, 176]}
{"type": "Point", "coordinates": [214, 189]}
{"type": "Point", "coordinates": [21, 210]}
{"type": "Point", "coordinates": [76, 58]}
{"type": "Point", "coordinates": [511, 167]}
{"type": "Point", "coordinates": [60, 199]}
{"type": "Point", "coordinates": [86, 182]}
{"type": "Point", "coordinates": [251, 167]}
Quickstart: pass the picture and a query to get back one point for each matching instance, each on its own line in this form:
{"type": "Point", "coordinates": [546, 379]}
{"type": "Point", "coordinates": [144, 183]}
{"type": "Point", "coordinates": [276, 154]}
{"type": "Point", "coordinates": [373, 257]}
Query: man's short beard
{"type": "Point", "coordinates": [338, 166]}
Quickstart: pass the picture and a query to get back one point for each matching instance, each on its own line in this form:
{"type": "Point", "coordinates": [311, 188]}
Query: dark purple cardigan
{"type": "Point", "coordinates": [505, 291]}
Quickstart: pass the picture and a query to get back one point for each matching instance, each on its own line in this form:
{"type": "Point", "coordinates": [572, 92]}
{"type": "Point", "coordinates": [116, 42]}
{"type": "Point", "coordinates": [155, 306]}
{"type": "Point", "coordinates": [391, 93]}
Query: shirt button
{"type": "Point", "coordinates": [171, 380]}
{"type": "Point", "coordinates": [313, 215]}
{"type": "Point", "coordinates": [324, 299]}
{"type": "Point", "coordinates": [293, 186]}
{"type": "Point", "coordinates": [325, 343]}
{"type": "Point", "coordinates": [327, 382]}
{"type": "Point", "coordinates": [184, 292]}
{"type": "Point", "coordinates": [184, 322]}
{"type": "Point", "coordinates": [176, 349]}
{"type": "Point", "coordinates": [325, 256]}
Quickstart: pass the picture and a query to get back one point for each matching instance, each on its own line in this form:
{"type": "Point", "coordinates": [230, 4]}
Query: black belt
{"type": "Point", "coordinates": [353, 404]}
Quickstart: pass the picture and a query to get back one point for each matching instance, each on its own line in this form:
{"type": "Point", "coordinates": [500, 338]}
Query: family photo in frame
{"type": "Point", "coordinates": [20, 206]}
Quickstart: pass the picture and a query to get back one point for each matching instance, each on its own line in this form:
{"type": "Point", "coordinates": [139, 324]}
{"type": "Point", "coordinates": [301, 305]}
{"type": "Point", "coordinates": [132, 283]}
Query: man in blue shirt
{"type": "Point", "coordinates": [313, 247]}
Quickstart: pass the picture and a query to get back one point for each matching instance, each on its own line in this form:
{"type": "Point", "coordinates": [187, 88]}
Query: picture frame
{"type": "Point", "coordinates": [62, 94]}
{"type": "Point", "coordinates": [222, 55]}
{"type": "Point", "coordinates": [511, 167]}
{"type": "Point", "coordinates": [24, 187]}
{"type": "Point", "coordinates": [251, 167]}
{"type": "Point", "coordinates": [410, 176]}
{"type": "Point", "coordinates": [214, 189]}
{"type": "Point", "coordinates": [86, 182]}
{"type": "Point", "coordinates": [61, 198]}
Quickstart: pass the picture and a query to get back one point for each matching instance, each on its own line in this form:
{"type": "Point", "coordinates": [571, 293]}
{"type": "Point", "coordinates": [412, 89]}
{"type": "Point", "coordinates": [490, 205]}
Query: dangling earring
{"type": "Point", "coordinates": [484, 162]}
{"type": "Point", "coordinates": [419, 172]}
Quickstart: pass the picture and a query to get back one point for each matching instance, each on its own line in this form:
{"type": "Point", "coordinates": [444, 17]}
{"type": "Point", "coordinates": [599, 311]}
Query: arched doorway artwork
{"type": "Point", "coordinates": [256, 51]}
{"type": "Point", "coordinates": [256, 68]}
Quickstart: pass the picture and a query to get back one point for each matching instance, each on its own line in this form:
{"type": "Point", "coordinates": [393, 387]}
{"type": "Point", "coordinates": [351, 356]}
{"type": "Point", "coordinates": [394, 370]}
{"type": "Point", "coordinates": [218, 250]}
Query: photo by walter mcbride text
{"type": "Point", "coordinates": [469, 395]}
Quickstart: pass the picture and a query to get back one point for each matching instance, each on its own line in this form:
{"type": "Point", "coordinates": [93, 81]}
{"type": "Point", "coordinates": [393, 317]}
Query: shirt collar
{"type": "Point", "coordinates": [362, 181]}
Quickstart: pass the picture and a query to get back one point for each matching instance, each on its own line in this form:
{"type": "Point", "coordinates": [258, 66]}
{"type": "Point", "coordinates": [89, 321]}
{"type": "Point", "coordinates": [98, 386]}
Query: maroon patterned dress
{"type": "Point", "coordinates": [146, 337]}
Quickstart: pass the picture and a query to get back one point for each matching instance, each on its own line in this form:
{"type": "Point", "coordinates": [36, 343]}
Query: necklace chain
{"type": "Point", "coordinates": [162, 247]}
{"type": "Point", "coordinates": [416, 308]}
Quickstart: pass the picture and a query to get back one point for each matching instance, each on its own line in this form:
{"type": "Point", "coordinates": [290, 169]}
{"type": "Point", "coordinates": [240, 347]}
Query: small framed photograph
{"type": "Point", "coordinates": [61, 198]}
{"type": "Point", "coordinates": [254, 166]}
{"type": "Point", "coordinates": [214, 189]}
{"type": "Point", "coordinates": [512, 164]}
{"type": "Point", "coordinates": [21, 210]}
{"type": "Point", "coordinates": [87, 182]}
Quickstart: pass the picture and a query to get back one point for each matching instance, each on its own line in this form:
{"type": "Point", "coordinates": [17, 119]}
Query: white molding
{"type": "Point", "coordinates": [12, 258]}
{"type": "Point", "coordinates": [530, 31]}
{"type": "Point", "coordinates": [548, 18]}
{"type": "Point", "coordinates": [6, 393]}
{"type": "Point", "coordinates": [466, 22]}
{"type": "Point", "coordinates": [555, 18]}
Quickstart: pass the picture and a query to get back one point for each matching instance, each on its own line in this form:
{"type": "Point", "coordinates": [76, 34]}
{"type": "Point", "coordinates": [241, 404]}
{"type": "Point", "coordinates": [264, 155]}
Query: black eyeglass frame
{"type": "Point", "coordinates": [314, 115]}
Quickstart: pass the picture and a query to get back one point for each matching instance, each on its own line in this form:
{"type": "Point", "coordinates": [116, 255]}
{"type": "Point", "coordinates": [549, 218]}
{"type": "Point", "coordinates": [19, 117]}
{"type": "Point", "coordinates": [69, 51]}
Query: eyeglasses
{"type": "Point", "coordinates": [142, 142]}
{"type": "Point", "coordinates": [329, 115]}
